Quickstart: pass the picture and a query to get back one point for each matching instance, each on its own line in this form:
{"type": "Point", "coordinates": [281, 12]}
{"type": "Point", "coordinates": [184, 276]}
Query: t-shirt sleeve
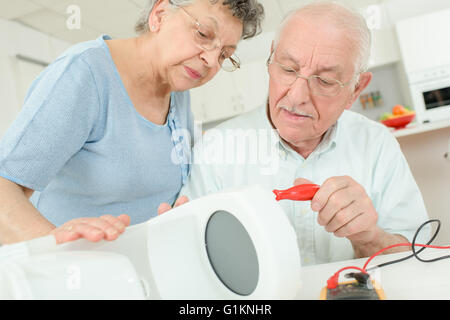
{"type": "Point", "coordinates": [56, 120]}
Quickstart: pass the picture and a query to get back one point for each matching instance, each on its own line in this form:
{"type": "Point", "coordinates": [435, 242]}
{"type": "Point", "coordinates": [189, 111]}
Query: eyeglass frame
{"type": "Point", "coordinates": [235, 61]}
{"type": "Point", "coordinates": [314, 76]}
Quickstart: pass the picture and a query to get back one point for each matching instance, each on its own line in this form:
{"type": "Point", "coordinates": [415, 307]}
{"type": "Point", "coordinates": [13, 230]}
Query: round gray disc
{"type": "Point", "coordinates": [231, 253]}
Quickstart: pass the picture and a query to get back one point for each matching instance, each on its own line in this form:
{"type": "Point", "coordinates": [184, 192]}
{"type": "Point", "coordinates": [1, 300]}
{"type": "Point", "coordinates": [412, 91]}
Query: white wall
{"type": "Point", "coordinates": [425, 155]}
{"type": "Point", "coordinates": [402, 9]}
{"type": "Point", "coordinates": [16, 75]}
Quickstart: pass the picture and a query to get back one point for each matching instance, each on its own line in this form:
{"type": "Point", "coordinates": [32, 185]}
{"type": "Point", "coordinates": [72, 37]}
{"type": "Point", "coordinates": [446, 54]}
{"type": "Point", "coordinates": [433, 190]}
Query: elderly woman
{"type": "Point", "coordinates": [92, 149]}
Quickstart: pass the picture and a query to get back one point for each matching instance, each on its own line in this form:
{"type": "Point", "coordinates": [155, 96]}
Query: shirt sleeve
{"type": "Point", "coordinates": [58, 115]}
{"type": "Point", "coordinates": [396, 196]}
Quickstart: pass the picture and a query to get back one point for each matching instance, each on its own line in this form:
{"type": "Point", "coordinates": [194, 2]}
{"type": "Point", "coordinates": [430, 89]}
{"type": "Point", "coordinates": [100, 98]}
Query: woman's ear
{"type": "Point", "coordinates": [156, 15]}
{"type": "Point", "coordinates": [363, 82]}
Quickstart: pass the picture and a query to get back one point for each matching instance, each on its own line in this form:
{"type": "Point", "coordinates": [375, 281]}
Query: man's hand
{"type": "Point", "coordinates": [346, 210]}
{"type": "Point", "coordinates": [106, 227]}
{"type": "Point", "coordinates": [164, 207]}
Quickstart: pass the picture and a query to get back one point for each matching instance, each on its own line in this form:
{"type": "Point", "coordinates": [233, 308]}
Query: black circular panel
{"type": "Point", "coordinates": [231, 253]}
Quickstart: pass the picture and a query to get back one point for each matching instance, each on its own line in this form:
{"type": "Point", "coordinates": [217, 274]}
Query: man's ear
{"type": "Point", "coordinates": [363, 82]}
{"type": "Point", "coordinates": [156, 15]}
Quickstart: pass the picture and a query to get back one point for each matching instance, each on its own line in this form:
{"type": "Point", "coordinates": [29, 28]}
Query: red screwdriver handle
{"type": "Point", "coordinates": [301, 192]}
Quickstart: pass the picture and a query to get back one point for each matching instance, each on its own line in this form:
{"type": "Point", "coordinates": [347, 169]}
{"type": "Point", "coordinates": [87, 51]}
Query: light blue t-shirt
{"type": "Point", "coordinates": [82, 146]}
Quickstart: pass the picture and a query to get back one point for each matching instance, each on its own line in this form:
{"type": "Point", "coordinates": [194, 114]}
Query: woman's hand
{"type": "Point", "coordinates": [106, 227]}
{"type": "Point", "coordinates": [164, 207]}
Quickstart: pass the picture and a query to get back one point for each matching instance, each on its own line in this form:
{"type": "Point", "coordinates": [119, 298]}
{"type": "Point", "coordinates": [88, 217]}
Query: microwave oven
{"type": "Point", "coordinates": [430, 92]}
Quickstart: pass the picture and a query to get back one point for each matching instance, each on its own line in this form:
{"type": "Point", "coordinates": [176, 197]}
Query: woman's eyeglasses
{"type": "Point", "coordinates": [205, 37]}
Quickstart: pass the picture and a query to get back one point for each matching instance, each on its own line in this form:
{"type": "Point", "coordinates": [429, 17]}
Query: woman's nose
{"type": "Point", "coordinates": [211, 57]}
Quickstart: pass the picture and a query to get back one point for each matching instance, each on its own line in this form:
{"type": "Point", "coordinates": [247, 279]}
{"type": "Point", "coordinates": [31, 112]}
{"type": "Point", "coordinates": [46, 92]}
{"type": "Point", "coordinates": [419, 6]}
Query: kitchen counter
{"type": "Point", "coordinates": [416, 128]}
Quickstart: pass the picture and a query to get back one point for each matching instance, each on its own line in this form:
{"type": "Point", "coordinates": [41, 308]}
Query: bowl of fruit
{"type": "Point", "coordinates": [399, 118]}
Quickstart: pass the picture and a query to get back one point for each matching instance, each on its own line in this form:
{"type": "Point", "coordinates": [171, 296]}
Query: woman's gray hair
{"type": "Point", "coordinates": [250, 12]}
{"type": "Point", "coordinates": [343, 17]}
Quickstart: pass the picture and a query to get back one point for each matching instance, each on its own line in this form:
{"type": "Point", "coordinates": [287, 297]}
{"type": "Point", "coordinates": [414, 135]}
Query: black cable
{"type": "Point", "coordinates": [416, 253]}
{"type": "Point", "coordinates": [435, 234]}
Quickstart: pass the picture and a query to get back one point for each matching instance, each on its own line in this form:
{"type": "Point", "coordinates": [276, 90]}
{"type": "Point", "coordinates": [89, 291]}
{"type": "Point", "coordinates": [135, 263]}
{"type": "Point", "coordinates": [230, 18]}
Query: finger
{"type": "Point", "coordinates": [181, 200]}
{"type": "Point", "coordinates": [302, 181]}
{"type": "Point", "coordinates": [353, 227]}
{"type": "Point", "coordinates": [126, 220]}
{"type": "Point", "coordinates": [88, 231]}
{"type": "Point", "coordinates": [62, 236]}
{"type": "Point", "coordinates": [337, 201]}
{"type": "Point", "coordinates": [110, 232]}
{"type": "Point", "coordinates": [164, 207]}
{"type": "Point", "coordinates": [115, 222]}
{"type": "Point", "coordinates": [343, 217]}
{"type": "Point", "coordinates": [330, 186]}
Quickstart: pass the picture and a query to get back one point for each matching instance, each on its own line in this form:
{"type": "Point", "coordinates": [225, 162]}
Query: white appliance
{"type": "Point", "coordinates": [229, 245]}
{"type": "Point", "coordinates": [430, 92]}
{"type": "Point", "coordinates": [425, 49]}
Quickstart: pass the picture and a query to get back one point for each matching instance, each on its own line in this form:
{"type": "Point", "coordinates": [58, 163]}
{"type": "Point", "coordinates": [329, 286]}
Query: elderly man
{"type": "Point", "coordinates": [368, 198]}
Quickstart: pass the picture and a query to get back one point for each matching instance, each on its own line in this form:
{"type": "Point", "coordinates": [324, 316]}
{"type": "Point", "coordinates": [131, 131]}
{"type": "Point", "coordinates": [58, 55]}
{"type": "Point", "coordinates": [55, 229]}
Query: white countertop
{"type": "Point", "coordinates": [406, 280]}
{"type": "Point", "coordinates": [416, 128]}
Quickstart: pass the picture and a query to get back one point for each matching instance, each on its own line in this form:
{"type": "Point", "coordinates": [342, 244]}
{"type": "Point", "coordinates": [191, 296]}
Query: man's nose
{"type": "Point", "coordinates": [299, 91]}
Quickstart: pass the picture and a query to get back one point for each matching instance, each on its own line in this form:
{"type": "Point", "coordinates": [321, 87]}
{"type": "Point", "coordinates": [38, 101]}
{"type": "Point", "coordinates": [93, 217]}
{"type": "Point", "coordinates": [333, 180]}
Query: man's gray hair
{"type": "Point", "coordinates": [343, 17]}
{"type": "Point", "coordinates": [250, 12]}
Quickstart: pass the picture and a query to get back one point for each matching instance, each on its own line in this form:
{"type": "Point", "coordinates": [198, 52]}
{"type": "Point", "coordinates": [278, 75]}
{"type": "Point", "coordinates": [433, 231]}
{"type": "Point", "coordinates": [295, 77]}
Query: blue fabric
{"type": "Point", "coordinates": [81, 144]}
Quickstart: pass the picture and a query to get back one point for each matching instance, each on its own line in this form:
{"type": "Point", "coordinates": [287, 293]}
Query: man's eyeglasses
{"type": "Point", "coordinates": [318, 85]}
{"type": "Point", "coordinates": [206, 38]}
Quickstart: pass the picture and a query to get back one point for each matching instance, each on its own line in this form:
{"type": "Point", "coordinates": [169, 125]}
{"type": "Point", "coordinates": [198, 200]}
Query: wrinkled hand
{"type": "Point", "coordinates": [164, 207]}
{"type": "Point", "coordinates": [345, 209]}
{"type": "Point", "coordinates": [106, 227]}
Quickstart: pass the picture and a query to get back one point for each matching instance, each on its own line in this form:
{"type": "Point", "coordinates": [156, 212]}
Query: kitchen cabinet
{"type": "Point", "coordinates": [384, 49]}
{"type": "Point", "coordinates": [423, 41]}
{"type": "Point", "coordinates": [252, 84]}
{"type": "Point", "coordinates": [216, 99]}
{"type": "Point", "coordinates": [231, 93]}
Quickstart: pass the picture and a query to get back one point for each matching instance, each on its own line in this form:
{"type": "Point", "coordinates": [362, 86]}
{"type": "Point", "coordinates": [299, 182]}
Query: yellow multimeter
{"type": "Point", "coordinates": [359, 289]}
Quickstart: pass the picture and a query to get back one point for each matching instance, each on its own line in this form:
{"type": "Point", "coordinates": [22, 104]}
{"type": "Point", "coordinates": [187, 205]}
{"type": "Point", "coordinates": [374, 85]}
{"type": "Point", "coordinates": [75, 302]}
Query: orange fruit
{"type": "Point", "coordinates": [398, 110]}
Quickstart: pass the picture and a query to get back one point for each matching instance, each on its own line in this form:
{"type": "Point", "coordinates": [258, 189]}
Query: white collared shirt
{"type": "Point", "coordinates": [247, 151]}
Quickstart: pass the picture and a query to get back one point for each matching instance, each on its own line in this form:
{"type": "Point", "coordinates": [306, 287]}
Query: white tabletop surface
{"type": "Point", "coordinates": [410, 279]}
{"type": "Point", "coordinates": [416, 128]}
